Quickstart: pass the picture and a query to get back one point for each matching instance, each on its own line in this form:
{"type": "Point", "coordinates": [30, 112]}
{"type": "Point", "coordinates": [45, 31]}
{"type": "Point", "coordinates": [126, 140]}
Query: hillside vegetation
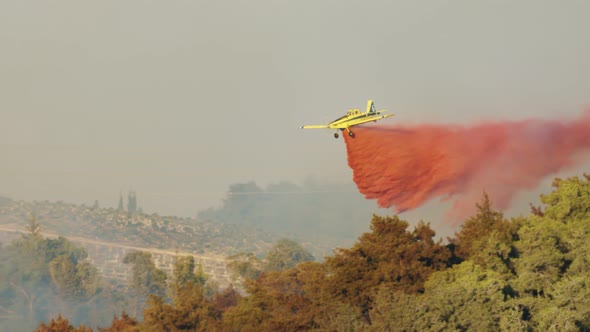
{"type": "Point", "coordinates": [139, 229]}
{"type": "Point", "coordinates": [320, 216]}
{"type": "Point", "coordinates": [523, 274]}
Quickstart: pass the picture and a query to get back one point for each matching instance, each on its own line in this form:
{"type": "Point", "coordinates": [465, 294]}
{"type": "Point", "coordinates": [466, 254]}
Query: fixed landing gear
{"type": "Point", "coordinates": [350, 133]}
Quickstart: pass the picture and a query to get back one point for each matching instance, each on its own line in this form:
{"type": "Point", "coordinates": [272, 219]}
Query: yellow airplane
{"type": "Point", "coordinates": [352, 118]}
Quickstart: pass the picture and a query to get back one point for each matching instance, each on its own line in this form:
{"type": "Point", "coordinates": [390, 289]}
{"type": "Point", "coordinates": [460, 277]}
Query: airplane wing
{"type": "Point", "coordinates": [315, 127]}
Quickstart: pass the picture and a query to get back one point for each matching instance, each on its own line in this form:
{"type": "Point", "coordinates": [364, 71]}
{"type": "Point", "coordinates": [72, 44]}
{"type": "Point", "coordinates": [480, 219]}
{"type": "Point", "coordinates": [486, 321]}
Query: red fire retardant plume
{"type": "Point", "coordinates": [406, 166]}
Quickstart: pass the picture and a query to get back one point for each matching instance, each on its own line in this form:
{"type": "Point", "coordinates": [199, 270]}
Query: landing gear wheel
{"type": "Point", "coordinates": [335, 135]}
{"type": "Point", "coordinates": [351, 134]}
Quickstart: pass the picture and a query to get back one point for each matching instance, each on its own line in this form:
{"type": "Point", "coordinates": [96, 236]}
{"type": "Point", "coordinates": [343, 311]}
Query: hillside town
{"type": "Point", "coordinates": [132, 227]}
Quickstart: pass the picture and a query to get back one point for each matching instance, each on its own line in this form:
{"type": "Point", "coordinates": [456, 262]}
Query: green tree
{"type": "Point", "coordinates": [61, 324]}
{"type": "Point", "coordinates": [29, 270]}
{"type": "Point", "coordinates": [569, 201]}
{"type": "Point", "coordinates": [7, 292]}
{"type": "Point", "coordinates": [252, 311]}
{"type": "Point", "coordinates": [122, 324]}
{"type": "Point", "coordinates": [244, 267]}
{"type": "Point", "coordinates": [158, 315]}
{"type": "Point", "coordinates": [240, 204]}
{"type": "Point", "coordinates": [120, 207]}
{"type": "Point", "coordinates": [276, 302]}
{"type": "Point", "coordinates": [188, 311]}
{"type": "Point", "coordinates": [33, 230]}
{"type": "Point", "coordinates": [184, 273]}
{"type": "Point", "coordinates": [225, 299]}
{"type": "Point", "coordinates": [541, 256]}
{"type": "Point", "coordinates": [463, 298]}
{"type": "Point", "coordinates": [285, 254]}
{"type": "Point", "coordinates": [487, 238]}
{"type": "Point", "coordinates": [552, 264]}
{"type": "Point", "coordinates": [389, 256]}
{"type": "Point", "coordinates": [466, 297]}
{"type": "Point", "coordinates": [146, 279]}
{"type": "Point", "coordinates": [44, 275]}
{"type": "Point", "coordinates": [132, 202]}
{"type": "Point", "coordinates": [65, 278]}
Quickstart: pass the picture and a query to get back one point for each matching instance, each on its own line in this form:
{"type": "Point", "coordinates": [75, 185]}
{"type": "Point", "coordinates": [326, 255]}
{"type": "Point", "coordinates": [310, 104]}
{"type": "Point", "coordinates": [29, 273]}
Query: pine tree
{"type": "Point", "coordinates": [146, 278]}
{"type": "Point", "coordinates": [131, 202]}
{"type": "Point", "coordinates": [120, 208]}
{"type": "Point", "coordinates": [33, 229]}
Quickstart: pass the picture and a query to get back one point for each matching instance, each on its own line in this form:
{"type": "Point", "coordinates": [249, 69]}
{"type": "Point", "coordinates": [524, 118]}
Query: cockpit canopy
{"type": "Point", "coordinates": [353, 112]}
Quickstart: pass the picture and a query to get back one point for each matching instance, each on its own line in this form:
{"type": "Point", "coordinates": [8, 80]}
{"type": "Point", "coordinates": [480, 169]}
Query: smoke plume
{"type": "Point", "coordinates": [405, 166]}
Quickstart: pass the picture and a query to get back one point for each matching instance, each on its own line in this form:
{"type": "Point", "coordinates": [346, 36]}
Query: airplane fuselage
{"type": "Point", "coordinates": [355, 117]}
{"type": "Point", "coordinates": [352, 118]}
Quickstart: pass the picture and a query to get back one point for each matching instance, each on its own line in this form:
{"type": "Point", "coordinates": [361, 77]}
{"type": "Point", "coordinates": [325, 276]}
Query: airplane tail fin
{"type": "Point", "coordinates": [371, 107]}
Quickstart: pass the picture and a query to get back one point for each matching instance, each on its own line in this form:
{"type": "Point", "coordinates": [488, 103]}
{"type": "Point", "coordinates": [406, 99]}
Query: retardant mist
{"type": "Point", "coordinates": [405, 166]}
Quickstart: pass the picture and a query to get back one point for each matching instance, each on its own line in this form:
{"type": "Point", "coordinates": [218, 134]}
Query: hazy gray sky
{"type": "Point", "coordinates": [179, 99]}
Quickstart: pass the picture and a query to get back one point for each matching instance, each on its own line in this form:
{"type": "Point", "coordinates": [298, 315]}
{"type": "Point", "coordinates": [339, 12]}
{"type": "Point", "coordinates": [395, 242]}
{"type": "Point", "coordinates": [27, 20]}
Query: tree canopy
{"type": "Point", "coordinates": [520, 274]}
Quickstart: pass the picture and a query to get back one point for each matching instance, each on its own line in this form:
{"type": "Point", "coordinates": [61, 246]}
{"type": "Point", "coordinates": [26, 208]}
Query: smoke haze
{"type": "Point", "coordinates": [405, 166]}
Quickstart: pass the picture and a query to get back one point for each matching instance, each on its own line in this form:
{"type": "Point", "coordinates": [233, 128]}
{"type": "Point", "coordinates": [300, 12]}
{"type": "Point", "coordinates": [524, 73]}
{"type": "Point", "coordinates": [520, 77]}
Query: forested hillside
{"type": "Point", "coordinates": [318, 215]}
{"type": "Point", "coordinates": [41, 278]}
{"type": "Point", "coordinates": [139, 229]}
{"type": "Point", "coordinates": [528, 273]}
